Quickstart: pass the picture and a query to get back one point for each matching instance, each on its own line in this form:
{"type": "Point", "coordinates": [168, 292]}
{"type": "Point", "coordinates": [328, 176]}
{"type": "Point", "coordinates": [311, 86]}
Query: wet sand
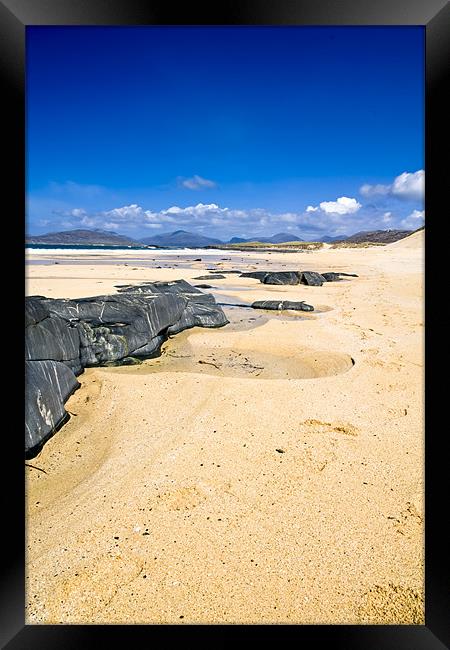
{"type": "Point", "coordinates": [270, 471]}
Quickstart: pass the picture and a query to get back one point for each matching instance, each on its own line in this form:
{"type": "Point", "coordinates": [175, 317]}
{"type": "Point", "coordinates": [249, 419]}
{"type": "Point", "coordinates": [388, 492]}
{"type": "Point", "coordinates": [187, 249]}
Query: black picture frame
{"type": "Point", "coordinates": [434, 16]}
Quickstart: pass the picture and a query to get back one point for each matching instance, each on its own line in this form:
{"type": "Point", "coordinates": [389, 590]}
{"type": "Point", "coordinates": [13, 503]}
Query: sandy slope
{"type": "Point", "coordinates": [416, 240]}
{"type": "Point", "coordinates": [252, 474]}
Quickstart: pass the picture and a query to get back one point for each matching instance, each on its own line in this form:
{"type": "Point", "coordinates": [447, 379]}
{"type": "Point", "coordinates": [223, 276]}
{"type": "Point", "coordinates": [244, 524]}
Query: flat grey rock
{"type": "Point", "coordinates": [279, 305]}
{"type": "Point", "coordinates": [331, 276]}
{"type": "Point", "coordinates": [311, 278]}
{"type": "Point", "coordinates": [213, 276]}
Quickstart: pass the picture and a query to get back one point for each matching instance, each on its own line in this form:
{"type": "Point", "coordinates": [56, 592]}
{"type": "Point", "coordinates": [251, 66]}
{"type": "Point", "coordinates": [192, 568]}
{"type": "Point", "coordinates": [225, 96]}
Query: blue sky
{"type": "Point", "coordinates": [225, 130]}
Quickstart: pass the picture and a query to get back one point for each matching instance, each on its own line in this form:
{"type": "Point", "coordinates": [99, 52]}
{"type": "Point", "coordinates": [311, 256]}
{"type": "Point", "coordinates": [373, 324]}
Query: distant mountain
{"type": "Point", "coordinates": [238, 240]}
{"type": "Point", "coordinates": [181, 238]}
{"type": "Point", "coordinates": [279, 238]}
{"type": "Point", "coordinates": [186, 239]}
{"type": "Point", "coordinates": [329, 239]}
{"type": "Point", "coordinates": [97, 236]}
{"type": "Point", "coordinates": [377, 236]}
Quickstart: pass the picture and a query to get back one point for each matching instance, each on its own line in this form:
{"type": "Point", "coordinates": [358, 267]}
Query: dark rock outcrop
{"type": "Point", "coordinates": [210, 277]}
{"type": "Point", "coordinates": [49, 337]}
{"type": "Point", "coordinates": [331, 276]}
{"type": "Point", "coordinates": [258, 275]}
{"type": "Point", "coordinates": [275, 277]}
{"type": "Point", "coordinates": [334, 277]}
{"type": "Point", "coordinates": [282, 277]}
{"type": "Point", "coordinates": [64, 336]}
{"type": "Point", "coordinates": [48, 385]}
{"type": "Point", "coordinates": [200, 309]}
{"type": "Point", "coordinates": [278, 305]}
{"type": "Point", "coordinates": [312, 278]}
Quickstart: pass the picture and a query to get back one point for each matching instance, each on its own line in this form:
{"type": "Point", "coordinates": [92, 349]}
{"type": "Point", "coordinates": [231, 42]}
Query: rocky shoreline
{"type": "Point", "coordinates": [62, 337]}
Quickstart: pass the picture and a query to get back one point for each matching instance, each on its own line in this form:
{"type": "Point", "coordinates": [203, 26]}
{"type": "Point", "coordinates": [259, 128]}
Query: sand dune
{"type": "Point", "coordinates": [416, 240]}
{"type": "Point", "coordinates": [267, 472]}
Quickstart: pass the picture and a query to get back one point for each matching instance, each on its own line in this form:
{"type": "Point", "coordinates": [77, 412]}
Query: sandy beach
{"type": "Point", "coordinates": [270, 471]}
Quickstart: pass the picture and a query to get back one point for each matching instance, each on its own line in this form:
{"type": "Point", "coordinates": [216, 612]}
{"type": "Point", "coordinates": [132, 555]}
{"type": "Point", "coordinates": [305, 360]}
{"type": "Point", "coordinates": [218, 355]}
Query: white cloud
{"type": "Point", "coordinates": [89, 222]}
{"type": "Point", "coordinates": [198, 210]}
{"type": "Point", "coordinates": [289, 217]}
{"type": "Point", "coordinates": [408, 185]}
{"type": "Point", "coordinates": [197, 183]}
{"type": "Point", "coordinates": [372, 190]}
{"type": "Point", "coordinates": [77, 212]}
{"type": "Point", "coordinates": [342, 205]}
{"type": "Point", "coordinates": [131, 214]}
{"type": "Point", "coordinates": [413, 220]}
{"type": "Point", "coordinates": [387, 217]}
{"type": "Point", "coordinates": [173, 210]}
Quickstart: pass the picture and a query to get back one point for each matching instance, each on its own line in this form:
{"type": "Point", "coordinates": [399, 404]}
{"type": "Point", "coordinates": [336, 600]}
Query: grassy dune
{"type": "Point", "coordinates": [294, 245]}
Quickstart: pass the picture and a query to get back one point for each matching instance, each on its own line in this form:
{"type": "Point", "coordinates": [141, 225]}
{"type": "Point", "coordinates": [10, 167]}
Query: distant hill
{"type": "Point", "coordinates": [186, 239]}
{"type": "Point", "coordinates": [375, 236]}
{"type": "Point", "coordinates": [238, 240]}
{"type": "Point", "coordinates": [104, 237]}
{"type": "Point", "coordinates": [279, 238]}
{"type": "Point", "coordinates": [181, 238]}
{"type": "Point", "coordinates": [329, 239]}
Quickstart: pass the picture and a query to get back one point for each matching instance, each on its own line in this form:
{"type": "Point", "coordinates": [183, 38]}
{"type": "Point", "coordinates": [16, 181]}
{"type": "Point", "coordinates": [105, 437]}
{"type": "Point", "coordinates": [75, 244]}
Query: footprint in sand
{"type": "Point", "coordinates": [184, 497]}
{"type": "Point", "coordinates": [343, 428]}
{"type": "Point", "coordinates": [318, 459]}
{"type": "Point", "coordinates": [315, 457]}
{"type": "Point", "coordinates": [407, 522]}
{"type": "Point", "coordinates": [318, 456]}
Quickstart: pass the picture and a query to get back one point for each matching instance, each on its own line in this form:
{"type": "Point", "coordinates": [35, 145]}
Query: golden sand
{"type": "Point", "coordinates": [270, 471]}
